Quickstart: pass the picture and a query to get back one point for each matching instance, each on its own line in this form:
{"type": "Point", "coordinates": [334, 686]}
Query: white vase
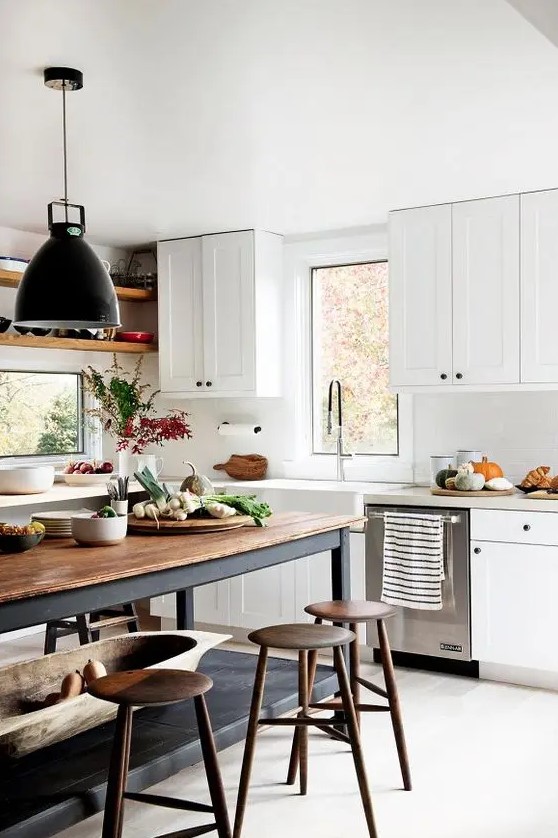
{"type": "Point", "coordinates": [125, 463]}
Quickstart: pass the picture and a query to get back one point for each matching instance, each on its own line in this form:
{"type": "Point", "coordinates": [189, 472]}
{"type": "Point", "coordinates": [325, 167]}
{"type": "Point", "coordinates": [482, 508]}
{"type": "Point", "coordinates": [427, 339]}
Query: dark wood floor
{"type": "Point", "coordinates": [51, 789]}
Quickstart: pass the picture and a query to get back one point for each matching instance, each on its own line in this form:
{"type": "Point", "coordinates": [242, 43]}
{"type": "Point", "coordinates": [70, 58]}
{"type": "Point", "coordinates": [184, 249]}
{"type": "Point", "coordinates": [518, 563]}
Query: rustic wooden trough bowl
{"type": "Point", "coordinates": [24, 729]}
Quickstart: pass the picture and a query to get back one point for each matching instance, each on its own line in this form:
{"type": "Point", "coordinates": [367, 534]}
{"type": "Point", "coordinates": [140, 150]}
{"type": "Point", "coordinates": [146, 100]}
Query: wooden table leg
{"type": "Point", "coordinates": [394, 705]}
{"type": "Point", "coordinates": [248, 758]}
{"type": "Point", "coordinates": [185, 609]}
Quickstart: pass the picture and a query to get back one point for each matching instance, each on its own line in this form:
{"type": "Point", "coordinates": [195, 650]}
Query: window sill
{"type": "Point", "coordinates": [59, 492]}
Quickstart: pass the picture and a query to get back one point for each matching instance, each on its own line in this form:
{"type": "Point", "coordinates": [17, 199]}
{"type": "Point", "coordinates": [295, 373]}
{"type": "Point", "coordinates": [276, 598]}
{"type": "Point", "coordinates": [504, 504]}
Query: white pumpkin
{"type": "Point", "coordinates": [498, 484]}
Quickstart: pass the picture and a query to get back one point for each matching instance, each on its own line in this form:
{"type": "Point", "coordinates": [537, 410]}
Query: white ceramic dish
{"type": "Point", "coordinates": [79, 479]}
{"type": "Point", "coordinates": [25, 480]}
{"type": "Point", "coordinates": [97, 532]}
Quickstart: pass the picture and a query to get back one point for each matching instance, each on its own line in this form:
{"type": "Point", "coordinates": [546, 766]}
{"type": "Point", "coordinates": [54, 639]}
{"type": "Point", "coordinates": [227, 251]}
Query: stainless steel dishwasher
{"type": "Point", "coordinates": [438, 634]}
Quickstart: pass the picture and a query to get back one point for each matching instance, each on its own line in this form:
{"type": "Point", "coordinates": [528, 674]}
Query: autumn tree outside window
{"type": "Point", "coordinates": [350, 342]}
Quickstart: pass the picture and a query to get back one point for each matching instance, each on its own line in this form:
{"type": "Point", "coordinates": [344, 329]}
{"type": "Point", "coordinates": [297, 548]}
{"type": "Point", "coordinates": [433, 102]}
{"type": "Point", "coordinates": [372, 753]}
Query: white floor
{"type": "Point", "coordinates": [484, 758]}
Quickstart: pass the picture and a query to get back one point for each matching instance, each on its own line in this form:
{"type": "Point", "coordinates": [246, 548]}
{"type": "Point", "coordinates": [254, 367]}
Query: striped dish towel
{"type": "Point", "coordinates": [413, 560]}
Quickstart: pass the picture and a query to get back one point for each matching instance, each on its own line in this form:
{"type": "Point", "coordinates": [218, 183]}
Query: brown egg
{"type": "Point", "coordinates": [72, 685]}
{"type": "Point", "coordinates": [93, 670]}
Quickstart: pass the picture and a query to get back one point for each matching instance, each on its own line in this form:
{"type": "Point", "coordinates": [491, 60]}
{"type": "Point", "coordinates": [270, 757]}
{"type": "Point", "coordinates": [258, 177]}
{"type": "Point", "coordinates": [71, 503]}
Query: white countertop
{"type": "Point", "coordinates": [421, 496]}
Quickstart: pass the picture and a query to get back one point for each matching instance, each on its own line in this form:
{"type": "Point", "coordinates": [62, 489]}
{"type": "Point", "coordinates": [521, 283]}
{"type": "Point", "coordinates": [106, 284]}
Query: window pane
{"type": "Point", "coordinates": [40, 413]}
{"type": "Point", "coordinates": [350, 343]}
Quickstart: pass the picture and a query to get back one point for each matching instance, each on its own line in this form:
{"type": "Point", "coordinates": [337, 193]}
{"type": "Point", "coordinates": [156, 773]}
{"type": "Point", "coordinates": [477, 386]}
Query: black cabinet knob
{"type": "Point", "coordinates": [199, 383]}
{"type": "Point", "coordinates": [443, 376]}
{"type": "Point", "coordinates": [526, 527]}
{"type": "Point", "coordinates": [459, 375]}
{"type": "Point", "coordinates": [477, 550]}
{"type": "Point", "coordinates": [208, 383]}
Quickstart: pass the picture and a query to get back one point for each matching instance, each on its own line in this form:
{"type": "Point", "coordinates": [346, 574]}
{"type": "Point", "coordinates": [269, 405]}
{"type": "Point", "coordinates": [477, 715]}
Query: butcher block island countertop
{"type": "Point", "coordinates": [61, 565]}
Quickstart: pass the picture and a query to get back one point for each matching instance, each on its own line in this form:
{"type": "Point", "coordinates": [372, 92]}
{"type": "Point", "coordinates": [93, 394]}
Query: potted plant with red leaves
{"type": "Point", "coordinates": [125, 409]}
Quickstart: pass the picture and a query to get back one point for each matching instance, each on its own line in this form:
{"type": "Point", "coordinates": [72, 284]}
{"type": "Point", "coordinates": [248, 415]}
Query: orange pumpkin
{"type": "Point", "coordinates": [489, 470]}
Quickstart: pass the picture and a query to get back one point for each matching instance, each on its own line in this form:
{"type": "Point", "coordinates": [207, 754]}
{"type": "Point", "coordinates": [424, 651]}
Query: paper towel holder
{"type": "Point", "coordinates": [243, 428]}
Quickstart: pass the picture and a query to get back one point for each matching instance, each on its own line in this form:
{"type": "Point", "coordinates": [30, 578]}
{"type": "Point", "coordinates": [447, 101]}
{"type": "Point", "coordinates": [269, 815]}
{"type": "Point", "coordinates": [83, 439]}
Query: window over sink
{"type": "Point", "coordinates": [350, 343]}
{"type": "Point", "coordinates": [41, 415]}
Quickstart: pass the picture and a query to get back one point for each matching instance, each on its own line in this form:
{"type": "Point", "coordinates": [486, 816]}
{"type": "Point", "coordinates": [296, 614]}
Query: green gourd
{"type": "Point", "coordinates": [196, 483]}
{"type": "Point", "coordinates": [468, 482]}
{"type": "Point", "coordinates": [443, 475]}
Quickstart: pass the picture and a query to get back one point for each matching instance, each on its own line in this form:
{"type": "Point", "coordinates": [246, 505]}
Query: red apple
{"type": "Point", "coordinates": [86, 468]}
{"type": "Point", "coordinates": [69, 468]}
{"type": "Point", "coordinates": [106, 467]}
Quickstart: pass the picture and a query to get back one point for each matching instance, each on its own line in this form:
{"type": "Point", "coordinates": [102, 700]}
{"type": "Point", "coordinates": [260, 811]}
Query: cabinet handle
{"type": "Point", "coordinates": [459, 375]}
{"type": "Point", "coordinates": [199, 383]}
{"type": "Point", "coordinates": [477, 550]}
{"type": "Point", "coordinates": [443, 376]}
{"type": "Point", "coordinates": [208, 383]}
{"type": "Point", "coordinates": [526, 527]}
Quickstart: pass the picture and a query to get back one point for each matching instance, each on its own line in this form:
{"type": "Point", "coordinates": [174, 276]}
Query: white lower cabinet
{"type": "Point", "coordinates": [513, 596]}
{"type": "Point", "coordinates": [274, 595]}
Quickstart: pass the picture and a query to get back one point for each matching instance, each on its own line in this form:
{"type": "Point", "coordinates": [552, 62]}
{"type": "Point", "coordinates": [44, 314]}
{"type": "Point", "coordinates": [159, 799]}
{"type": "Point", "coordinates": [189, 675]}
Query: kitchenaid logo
{"type": "Point", "coordinates": [451, 647]}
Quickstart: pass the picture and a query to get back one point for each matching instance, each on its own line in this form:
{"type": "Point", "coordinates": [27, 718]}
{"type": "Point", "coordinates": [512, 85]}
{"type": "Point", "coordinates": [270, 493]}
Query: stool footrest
{"type": "Point", "coordinates": [372, 687]}
{"type": "Point", "coordinates": [190, 833]}
{"type": "Point", "coordinates": [168, 802]}
{"type": "Point", "coordinates": [305, 720]}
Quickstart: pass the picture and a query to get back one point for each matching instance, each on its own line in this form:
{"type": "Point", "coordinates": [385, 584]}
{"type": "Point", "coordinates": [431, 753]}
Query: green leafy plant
{"type": "Point", "coordinates": [125, 408]}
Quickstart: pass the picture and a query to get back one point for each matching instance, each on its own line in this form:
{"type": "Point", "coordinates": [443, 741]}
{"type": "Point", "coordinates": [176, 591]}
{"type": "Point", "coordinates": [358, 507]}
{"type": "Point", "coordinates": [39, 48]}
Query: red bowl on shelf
{"type": "Point", "coordinates": [135, 337]}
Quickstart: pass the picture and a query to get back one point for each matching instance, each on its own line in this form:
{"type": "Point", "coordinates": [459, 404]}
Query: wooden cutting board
{"type": "Point", "coordinates": [190, 525]}
{"type": "Point", "coordinates": [482, 493]}
{"type": "Point", "coordinates": [540, 494]}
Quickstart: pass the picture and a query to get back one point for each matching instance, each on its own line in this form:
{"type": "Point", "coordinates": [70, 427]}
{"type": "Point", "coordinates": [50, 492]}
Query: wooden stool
{"type": "Point", "coordinates": [354, 612]}
{"type": "Point", "coordinates": [304, 638]}
{"type": "Point", "coordinates": [88, 626]}
{"type": "Point", "coordinates": [157, 687]}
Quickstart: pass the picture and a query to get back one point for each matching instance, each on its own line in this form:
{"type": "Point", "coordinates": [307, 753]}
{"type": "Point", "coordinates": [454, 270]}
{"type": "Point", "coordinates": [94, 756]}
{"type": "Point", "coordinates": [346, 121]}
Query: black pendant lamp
{"type": "Point", "coordinates": [65, 285]}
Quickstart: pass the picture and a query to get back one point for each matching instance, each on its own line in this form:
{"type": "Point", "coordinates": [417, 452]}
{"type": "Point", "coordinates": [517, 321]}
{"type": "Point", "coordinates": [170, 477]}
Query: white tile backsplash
{"type": "Point", "coordinates": [518, 430]}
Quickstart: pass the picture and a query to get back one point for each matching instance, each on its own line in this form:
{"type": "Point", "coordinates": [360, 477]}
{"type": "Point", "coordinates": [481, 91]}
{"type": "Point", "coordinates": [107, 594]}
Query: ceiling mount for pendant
{"type": "Point", "coordinates": [63, 78]}
{"type": "Point", "coordinates": [65, 285]}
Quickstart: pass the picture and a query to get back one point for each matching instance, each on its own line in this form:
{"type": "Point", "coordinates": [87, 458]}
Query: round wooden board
{"type": "Point", "coordinates": [541, 494]}
{"type": "Point", "coordinates": [190, 525]}
{"type": "Point", "coordinates": [482, 493]}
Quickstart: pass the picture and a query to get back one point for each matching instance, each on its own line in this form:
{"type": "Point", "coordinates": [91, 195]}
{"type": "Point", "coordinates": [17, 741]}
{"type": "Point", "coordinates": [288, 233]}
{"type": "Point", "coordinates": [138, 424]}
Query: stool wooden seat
{"type": "Point", "coordinates": [88, 626]}
{"type": "Point", "coordinates": [353, 612]}
{"type": "Point", "coordinates": [306, 639]}
{"type": "Point", "coordinates": [141, 687]}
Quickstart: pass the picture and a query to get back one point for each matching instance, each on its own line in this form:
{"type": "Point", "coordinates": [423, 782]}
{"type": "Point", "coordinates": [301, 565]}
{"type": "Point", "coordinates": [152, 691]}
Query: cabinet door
{"type": "Point", "coordinates": [539, 288]}
{"type": "Point", "coordinates": [228, 312]}
{"type": "Point", "coordinates": [486, 291]}
{"type": "Point", "coordinates": [264, 597]}
{"type": "Point", "coordinates": [420, 296]}
{"type": "Point", "coordinates": [513, 604]}
{"type": "Point", "coordinates": [180, 323]}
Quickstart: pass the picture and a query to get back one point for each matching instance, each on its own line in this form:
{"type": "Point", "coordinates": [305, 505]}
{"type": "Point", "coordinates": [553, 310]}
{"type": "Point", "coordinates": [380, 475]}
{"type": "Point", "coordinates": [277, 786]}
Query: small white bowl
{"type": "Point", "coordinates": [78, 479]}
{"type": "Point", "coordinates": [97, 532]}
{"type": "Point", "coordinates": [25, 480]}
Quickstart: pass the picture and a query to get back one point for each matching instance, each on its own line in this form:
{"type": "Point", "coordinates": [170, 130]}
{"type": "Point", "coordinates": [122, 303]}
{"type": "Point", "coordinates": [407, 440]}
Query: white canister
{"type": "Point", "coordinates": [438, 462]}
{"type": "Point", "coordinates": [468, 457]}
{"type": "Point", "coordinates": [120, 506]}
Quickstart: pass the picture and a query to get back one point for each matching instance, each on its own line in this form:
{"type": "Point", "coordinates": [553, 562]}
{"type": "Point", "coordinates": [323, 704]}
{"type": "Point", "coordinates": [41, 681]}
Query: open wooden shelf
{"type": "Point", "coordinates": [11, 279]}
{"type": "Point", "coordinates": [48, 342]}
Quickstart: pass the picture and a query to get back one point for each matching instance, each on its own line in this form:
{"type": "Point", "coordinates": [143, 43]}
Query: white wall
{"type": "Point", "coordinates": [518, 430]}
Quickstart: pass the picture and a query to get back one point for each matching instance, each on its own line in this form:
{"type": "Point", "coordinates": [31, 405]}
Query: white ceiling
{"type": "Point", "coordinates": [289, 115]}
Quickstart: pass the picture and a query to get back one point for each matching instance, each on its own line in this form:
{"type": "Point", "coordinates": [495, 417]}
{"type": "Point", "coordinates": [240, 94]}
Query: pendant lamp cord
{"type": "Point", "coordinates": [65, 150]}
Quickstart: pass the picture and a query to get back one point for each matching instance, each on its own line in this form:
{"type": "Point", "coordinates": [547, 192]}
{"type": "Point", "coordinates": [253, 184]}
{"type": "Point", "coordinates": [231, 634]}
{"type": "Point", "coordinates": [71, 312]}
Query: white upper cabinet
{"type": "Point", "coordinates": [539, 286]}
{"type": "Point", "coordinates": [420, 296]}
{"type": "Point", "coordinates": [454, 294]}
{"type": "Point", "coordinates": [179, 265]}
{"type": "Point", "coordinates": [220, 313]}
{"type": "Point", "coordinates": [485, 243]}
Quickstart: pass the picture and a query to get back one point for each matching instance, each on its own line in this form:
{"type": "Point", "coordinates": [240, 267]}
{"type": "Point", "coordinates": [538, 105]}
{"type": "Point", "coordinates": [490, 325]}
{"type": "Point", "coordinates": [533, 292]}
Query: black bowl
{"type": "Point", "coordinates": [20, 543]}
{"type": "Point", "coordinates": [4, 324]}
